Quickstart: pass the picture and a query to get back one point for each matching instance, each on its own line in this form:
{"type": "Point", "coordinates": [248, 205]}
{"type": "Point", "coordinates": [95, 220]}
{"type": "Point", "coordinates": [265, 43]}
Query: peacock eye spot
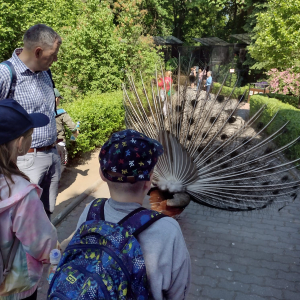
{"type": "Point", "coordinates": [268, 150]}
{"type": "Point", "coordinates": [233, 154]}
{"type": "Point", "coordinates": [178, 108]}
{"type": "Point", "coordinates": [212, 119]}
{"type": "Point", "coordinates": [220, 98]}
{"type": "Point", "coordinates": [224, 166]}
{"type": "Point", "coordinates": [231, 120]}
{"type": "Point", "coordinates": [245, 141]}
{"type": "Point", "coordinates": [260, 125]}
{"type": "Point", "coordinates": [194, 102]}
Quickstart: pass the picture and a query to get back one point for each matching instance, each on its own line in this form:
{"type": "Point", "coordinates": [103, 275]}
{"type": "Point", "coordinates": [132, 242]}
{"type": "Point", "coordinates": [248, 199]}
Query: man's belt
{"type": "Point", "coordinates": [41, 149]}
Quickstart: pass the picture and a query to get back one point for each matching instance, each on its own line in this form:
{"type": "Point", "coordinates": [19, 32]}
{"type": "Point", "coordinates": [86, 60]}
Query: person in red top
{"type": "Point", "coordinates": [165, 85]}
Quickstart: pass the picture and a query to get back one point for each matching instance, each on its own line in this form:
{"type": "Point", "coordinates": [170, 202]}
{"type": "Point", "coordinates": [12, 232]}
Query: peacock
{"type": "Point", "coordinates": [212, 154]}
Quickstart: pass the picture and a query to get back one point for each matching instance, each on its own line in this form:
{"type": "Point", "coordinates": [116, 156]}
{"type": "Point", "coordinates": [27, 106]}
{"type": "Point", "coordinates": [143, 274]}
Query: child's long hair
{"type": "Point", "coordinates": [7, 166]}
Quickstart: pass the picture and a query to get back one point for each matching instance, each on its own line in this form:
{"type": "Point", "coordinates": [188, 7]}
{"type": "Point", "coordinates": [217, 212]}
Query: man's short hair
{"type": "Point", "coordinates": [40, 35]}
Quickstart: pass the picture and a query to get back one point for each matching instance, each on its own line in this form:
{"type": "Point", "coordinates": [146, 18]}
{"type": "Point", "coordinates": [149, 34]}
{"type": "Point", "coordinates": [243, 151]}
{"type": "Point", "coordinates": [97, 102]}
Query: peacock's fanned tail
{"type": "Point", "coordinates": [210, 151]}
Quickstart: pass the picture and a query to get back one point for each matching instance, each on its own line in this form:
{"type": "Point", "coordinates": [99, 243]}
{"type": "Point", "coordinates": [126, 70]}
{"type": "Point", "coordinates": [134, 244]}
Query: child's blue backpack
{"type": "Point", "coordinates": [104, 260]}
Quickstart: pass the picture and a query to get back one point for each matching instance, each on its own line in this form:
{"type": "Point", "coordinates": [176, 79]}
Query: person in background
{"type": "Point", "coordinates": [192, 77]}
{"type": "Point", "coordinates": [23, 221]}
{"type": "Point", "coordinates": [63, 119]}
{"type": "Point", "coordinates": [165, 88]}
{"type": "Point", "coordinates": [208, 82]}
{"type": "Point", "coordinates": [202, 75]}
{"type": "Point", "coordinates": [34, 91]}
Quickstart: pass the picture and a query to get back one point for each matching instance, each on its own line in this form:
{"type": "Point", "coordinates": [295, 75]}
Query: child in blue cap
{"type": "Point", "coordinates": [127, 161]}
{"type": "Point", "coordinates": [26, 234]}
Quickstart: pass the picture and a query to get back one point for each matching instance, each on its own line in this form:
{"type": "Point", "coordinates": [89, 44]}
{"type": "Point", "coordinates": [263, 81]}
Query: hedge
{"type": "Point", "coordinates": [100, 115]}
{"type": "Point", "coordinates": [238, 92]}
{"type": "Point", "coordinates": [292, 100]}
{"type": "Point", "coordinates": [286, 113]}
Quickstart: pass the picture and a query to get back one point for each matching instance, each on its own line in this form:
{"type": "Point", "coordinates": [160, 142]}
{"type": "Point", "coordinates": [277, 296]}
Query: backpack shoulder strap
{"type": "Point", "coordinates": [13, 77]}
{"type": "Point", "coordinates": [50, 75]}
{"type": "Point", "coordinates": [96, 211]}
{"type": "Point", "coordinates": [140, 219]}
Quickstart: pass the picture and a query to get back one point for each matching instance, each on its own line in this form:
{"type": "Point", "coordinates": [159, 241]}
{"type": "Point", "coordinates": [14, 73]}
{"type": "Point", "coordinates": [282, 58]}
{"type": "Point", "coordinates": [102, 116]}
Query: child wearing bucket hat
{"type": "Point", "coordinates": [127, 161]}
{"type": "Point", "coordinates": [26, 234]}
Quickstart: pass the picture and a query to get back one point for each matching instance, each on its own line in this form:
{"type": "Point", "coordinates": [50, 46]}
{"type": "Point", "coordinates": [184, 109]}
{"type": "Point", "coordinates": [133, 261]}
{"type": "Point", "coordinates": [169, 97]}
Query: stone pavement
{"type": "Point", "coordinates": [238, 256]}
{"type": "Point", "coordinates": [235, 256]}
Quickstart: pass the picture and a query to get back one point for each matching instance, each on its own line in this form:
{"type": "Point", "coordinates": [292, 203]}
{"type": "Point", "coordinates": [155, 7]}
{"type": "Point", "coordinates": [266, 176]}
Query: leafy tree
{"type": "Point", "coordinates": [17, 16]}
{"type": "Point", "coordinates": [105, 43]}
{"type": "Point", "coordinates": [277, 36]}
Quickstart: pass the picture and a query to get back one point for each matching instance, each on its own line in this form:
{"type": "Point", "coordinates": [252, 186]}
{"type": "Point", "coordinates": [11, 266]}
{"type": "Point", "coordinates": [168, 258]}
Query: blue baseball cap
{"type": "Point", "coordinates": [131, 154]}
{"type": "Point", "coordinates": [14, 120]}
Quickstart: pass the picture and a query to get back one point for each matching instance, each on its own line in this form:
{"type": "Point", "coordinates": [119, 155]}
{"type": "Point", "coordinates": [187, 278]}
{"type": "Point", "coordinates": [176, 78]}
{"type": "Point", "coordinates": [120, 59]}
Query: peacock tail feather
{"type": "Point", "coordinates": [210, 152]}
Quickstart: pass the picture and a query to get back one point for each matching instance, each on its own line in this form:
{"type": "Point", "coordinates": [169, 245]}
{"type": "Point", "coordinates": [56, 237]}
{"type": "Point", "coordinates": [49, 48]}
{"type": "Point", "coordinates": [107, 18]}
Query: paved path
{"type": "Point", "coordinates": [236, 256]}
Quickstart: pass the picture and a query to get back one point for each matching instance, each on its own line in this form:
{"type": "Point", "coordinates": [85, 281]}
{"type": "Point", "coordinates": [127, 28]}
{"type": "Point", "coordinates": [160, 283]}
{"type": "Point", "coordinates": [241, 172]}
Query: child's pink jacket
{"type": "Point", "coordinates": [23, 214]}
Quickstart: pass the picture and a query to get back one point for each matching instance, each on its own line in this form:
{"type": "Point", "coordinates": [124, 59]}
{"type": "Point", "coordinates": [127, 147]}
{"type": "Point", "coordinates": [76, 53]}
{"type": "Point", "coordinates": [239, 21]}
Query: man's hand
{"type": "Point", "coordinates": [76, 133]}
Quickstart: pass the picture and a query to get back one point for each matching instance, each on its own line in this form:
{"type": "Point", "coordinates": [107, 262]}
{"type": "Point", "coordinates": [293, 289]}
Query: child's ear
{"type": "Point", "coordinates": [20, 144]}
{"type": "Point", "coordinates": [147, 185]}
{"type": "Point", "coordinates": [101, 175]}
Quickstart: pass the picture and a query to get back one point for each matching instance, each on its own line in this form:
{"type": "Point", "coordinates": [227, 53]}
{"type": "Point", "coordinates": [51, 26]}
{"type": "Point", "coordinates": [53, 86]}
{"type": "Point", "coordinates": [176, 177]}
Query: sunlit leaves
{"type": "Point", "coordinates": [277, 35]}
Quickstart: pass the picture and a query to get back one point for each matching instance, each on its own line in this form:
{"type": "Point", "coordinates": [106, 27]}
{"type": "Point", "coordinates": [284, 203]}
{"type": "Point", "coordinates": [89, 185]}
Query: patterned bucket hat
{"type": "Point", "coordinates": [130, 154]}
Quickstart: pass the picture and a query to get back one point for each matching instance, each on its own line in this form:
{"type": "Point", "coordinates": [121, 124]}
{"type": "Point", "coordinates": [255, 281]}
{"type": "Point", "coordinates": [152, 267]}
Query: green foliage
{"type": "Point", "coordinates": [101, 39]}
{"type": "Point", "coordinates": [172, 64]}
{"type": "Point", "coordinates": [226, 91]}
{"type": "Point", "coordinates": [284, 98]}
{"type": "Point", "coordinates": [106, 42]}
{"type": "Point", "coordinates": [100, 115]}
{"type": "Point", "coordinates": [17, 17]}
{"type": "Point", "coordinates": [286, 113]}
{"type": "Point", "coordinates": [277, 35]}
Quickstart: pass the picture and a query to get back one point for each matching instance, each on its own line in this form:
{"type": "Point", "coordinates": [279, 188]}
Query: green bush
{"type": "Point", "coordinates": [100, 115]}
{"type": "Point", "coordinates": [286, 113]}
{"type": "Point", "coordinates": [227, 90]}
{"type": "Point", "coordinates": [292, 100]}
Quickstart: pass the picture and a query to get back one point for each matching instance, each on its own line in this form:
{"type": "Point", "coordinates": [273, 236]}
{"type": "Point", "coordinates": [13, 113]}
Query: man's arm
{"type": "Point", "coordinates": [4, 81]}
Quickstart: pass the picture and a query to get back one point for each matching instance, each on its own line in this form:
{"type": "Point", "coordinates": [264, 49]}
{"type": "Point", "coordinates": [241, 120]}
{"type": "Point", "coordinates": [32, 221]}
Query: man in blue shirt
{"type": "Point", "coordinates": [34, 91]}
{"type": "Point", "coordinates": [208, 82]}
